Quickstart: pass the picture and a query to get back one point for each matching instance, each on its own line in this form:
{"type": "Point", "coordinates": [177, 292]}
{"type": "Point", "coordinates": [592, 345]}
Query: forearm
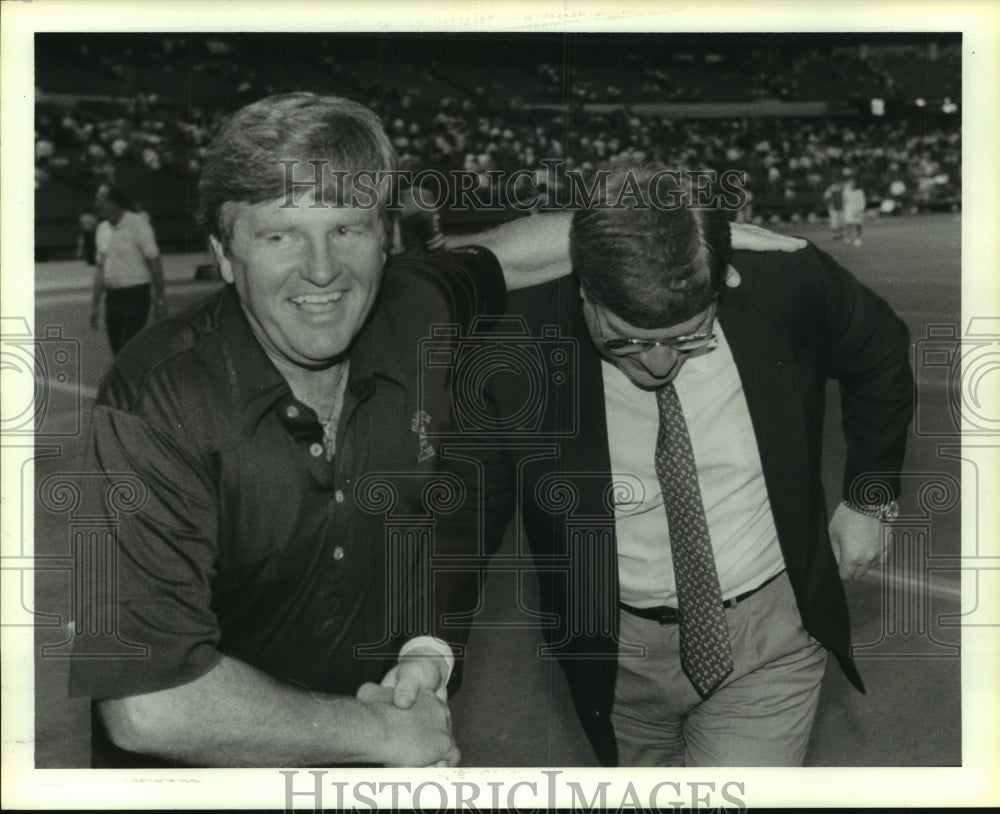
{"type": "Point", "coordinates": [155, 267]}
{"type": "Point", "coordinates": [535, 250]}
{"type": "Point", "coordinates": [95, 300]}
{"type": "Point", "coordinates": [531, 250]}
{"type": "Point", "coordinates": [235, 715]}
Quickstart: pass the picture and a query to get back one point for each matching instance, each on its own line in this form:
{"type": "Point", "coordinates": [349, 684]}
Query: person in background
{"type": "Point", "coordinates": [128, 266]}
{"type": "Point", "coordinates": [834, 197]}
{"type": "Point", "coordinates": [86, 243]}
{"type": "Point", "coordinates": [854, 211]}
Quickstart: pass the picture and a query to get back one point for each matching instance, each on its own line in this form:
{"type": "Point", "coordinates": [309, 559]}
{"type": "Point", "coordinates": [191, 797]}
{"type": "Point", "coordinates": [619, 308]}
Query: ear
{"type": "Point", "coordinates": [225, 267]}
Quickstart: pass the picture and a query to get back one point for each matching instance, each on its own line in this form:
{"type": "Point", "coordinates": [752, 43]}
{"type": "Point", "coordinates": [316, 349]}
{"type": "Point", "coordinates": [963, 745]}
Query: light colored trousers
{"type": "Point", "coordinates": [760, 716]}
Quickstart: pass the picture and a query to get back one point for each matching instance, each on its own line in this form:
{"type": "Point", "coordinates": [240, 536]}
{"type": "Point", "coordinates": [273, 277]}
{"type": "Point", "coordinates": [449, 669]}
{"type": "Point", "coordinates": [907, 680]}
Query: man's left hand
{"type": "Point", "coordinates": [857, 542]}
{"type": "Point", "coordinates": [417, 671]}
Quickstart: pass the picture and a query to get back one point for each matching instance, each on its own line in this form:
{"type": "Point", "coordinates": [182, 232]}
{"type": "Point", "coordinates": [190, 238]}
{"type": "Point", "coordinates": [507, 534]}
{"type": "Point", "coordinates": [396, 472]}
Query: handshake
{"type": "Point", "coordinates": [411, 710]}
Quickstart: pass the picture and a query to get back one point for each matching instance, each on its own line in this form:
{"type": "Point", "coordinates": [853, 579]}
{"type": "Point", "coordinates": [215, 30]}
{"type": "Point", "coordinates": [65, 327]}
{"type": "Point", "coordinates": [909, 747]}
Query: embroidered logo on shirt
{"type": "Point", "coordinates": [419, 426]}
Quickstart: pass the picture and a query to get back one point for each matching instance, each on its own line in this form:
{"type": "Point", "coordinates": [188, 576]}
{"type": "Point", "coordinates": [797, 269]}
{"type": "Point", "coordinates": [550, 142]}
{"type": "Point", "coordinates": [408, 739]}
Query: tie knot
{"type": "Point", "coordinates": [667, 400]}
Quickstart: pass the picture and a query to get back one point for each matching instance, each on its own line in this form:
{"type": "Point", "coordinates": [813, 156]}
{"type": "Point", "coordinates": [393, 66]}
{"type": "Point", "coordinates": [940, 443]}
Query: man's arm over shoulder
{"type": "Point", "coordinates": [467, 282]}
{"type": "Point", "coordinates": [535, 250]}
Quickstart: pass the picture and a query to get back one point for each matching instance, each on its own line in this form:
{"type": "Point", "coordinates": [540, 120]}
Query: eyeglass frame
{"type": "Point", "coordinates": [616, 345]}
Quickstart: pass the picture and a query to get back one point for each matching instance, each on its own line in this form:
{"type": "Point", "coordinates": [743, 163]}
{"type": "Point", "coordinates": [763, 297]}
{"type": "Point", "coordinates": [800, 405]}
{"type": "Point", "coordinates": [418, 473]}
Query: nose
{"type": "Point", "coordinates": [659, 361]}
{"type": "Point", "coordinates": [323, 265]}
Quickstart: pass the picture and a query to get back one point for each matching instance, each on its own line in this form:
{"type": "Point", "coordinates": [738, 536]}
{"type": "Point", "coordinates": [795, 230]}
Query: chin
{"type": "Point", "coordinates": [320, 356]}
{"type": "Point", "coordinates": [647, 382]}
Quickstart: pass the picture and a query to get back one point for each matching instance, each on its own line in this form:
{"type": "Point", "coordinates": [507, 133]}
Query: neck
{"type": "Point", "coordinates": [318, 388]}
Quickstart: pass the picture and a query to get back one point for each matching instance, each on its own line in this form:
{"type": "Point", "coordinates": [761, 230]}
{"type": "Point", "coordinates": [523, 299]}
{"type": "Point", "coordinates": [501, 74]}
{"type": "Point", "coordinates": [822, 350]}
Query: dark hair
{"type": "Point", "coordinates": [243, 162]}
{"type": "Point", "coordinates": [644, 253]}
{"type": "Point", "coordinates": [113, 193]}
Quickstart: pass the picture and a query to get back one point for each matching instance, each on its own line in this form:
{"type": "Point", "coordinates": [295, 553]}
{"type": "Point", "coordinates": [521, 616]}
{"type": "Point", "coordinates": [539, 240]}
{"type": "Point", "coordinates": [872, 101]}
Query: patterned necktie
{"type": "Point", "coordinates": [705, 652]}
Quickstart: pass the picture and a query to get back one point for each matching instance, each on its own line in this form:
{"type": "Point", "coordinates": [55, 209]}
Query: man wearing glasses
{"type": "Point", "coordinates": [671, 491]}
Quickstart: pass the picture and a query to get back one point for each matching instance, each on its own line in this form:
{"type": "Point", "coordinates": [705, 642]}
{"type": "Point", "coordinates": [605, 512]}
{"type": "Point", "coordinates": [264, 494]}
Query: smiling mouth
{"type": "Point", "coordinates": [317, 302]}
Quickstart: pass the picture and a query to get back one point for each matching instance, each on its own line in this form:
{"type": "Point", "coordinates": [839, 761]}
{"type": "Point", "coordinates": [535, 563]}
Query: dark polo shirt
{"type": "Point", "coordinates": [243, 539]}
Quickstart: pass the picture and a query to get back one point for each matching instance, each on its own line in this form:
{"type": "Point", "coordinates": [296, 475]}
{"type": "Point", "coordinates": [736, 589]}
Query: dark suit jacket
{"type": "Point", "coordinates": [797, 320]}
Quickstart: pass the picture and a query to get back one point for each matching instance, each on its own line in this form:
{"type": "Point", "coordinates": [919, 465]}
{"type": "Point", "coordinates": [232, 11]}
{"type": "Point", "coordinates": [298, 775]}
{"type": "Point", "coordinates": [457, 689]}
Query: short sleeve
{"type": "Point", "coordinates": [102, 237]}
{"type": "Point", "coordinates": [145, 239]}
{"type": "Point", "coordinates": [159, 550]}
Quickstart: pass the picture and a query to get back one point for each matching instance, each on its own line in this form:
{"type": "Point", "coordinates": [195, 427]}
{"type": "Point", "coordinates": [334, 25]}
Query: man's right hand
{"type": "Point", "coordinates": [750, 237]}
{"type": "Point", "coordinates": [413, 737]}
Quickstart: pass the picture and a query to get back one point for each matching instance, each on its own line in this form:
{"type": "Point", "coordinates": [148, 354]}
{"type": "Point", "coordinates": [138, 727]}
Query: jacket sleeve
{"type": "Point", "coordinates": [868, 353]}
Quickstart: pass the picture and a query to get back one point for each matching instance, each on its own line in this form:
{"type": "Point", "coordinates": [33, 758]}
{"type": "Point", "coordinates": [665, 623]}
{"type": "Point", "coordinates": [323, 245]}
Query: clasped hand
{"type": "Point", "coordinates": [417, 735]}
{"type": "Point", "coordinates": [412, 702]}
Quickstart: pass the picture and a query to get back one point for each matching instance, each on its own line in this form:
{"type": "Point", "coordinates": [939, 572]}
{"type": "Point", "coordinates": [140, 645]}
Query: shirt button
{"type": "Point", "coordinates": [338, 553]}
{"type": "Point", "coordinates": [292, 411]}
{"type": "Point", "coordinates": [316, 450]}
{"type": "Point", "coordinates": [338, 496]}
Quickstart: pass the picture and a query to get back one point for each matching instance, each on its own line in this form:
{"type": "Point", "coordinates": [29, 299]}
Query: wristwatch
{"type": "Point", "coordinates": [883, 512]}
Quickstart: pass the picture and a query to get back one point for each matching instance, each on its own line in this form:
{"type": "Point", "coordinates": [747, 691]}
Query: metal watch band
{"type": "Point", "coordinates": [884, 512]}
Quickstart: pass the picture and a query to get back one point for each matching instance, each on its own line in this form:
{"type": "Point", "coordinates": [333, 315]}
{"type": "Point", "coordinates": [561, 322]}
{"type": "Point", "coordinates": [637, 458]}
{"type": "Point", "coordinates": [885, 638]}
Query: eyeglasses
{"type": "Point", "coordinates": [632, 346]}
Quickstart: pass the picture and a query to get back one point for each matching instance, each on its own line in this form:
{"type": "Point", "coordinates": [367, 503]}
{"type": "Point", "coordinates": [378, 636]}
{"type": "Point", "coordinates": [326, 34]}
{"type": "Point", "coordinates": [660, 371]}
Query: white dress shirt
{"type": "Point", "coordinates": [737, 507]}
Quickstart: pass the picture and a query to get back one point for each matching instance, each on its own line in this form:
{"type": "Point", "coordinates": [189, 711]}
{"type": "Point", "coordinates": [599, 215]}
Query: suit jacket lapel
{"type": "Point", "coordinates": [589, 453]}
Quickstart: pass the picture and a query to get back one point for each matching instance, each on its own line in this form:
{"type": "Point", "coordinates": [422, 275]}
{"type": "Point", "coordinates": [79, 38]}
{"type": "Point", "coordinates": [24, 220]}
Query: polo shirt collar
{"type": "Point", "coordinates": [258, 386]}
{"type": "Point", "coordinates": [378, 353]}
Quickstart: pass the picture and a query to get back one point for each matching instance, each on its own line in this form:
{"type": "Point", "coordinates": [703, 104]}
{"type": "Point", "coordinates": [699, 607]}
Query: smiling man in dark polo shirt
{"type": "Point", "coordinates": [250, 573]}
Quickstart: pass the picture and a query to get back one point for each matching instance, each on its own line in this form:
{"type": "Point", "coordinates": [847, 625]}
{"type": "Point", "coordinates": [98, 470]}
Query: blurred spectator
{"type": "Point", "coordinates": [128, 263]}
{"type": "Point", "coordinates": [854, 211]}
{"type": "Point", "coordinates": [834, 197]}
{"type": "Point", "coordinates": [86, 244]}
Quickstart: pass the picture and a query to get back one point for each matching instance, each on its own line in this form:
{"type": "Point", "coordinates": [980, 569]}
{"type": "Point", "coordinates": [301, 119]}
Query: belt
{"type": "Point", "coordinates": [671, 616]}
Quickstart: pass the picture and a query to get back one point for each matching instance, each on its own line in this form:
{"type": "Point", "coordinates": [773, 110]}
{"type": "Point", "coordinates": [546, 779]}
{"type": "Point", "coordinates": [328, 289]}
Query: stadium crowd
{"type": "Point", "coordinates": [504, 124]}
